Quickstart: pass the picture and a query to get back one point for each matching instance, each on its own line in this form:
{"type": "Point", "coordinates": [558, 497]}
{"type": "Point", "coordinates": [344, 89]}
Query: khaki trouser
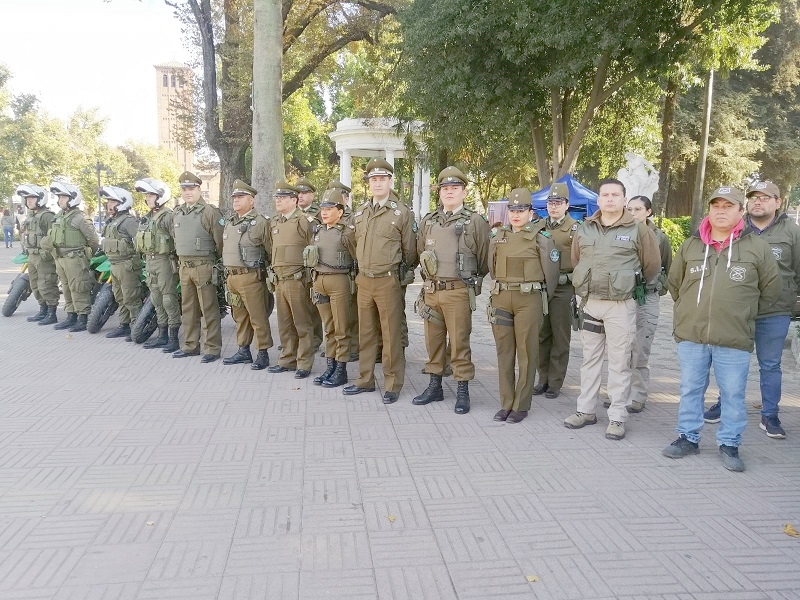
{"type": "Point", "coordinates": [295, 325]}
{"type": "Point", "coordinates": [616, 321]}
{"type": "Point", "coordinates": [199, 296]}
{"type": "Point", "coordinates": [162, 281]}
{"type": "Point", "coordinates": [352, 331]}
{"type": "Point", "coordinates": [380, 312]}
{"type": "Point", "coordinates": [554, 338]}
{"type": "Point", "coordinates": [520, 340]}
{"type": "Point", "coordinates": [335, 313]}
{"type": "Point", "coordinates": [453, 305]}
{"type": "Point", "coordinates": [316, 322]}
{"type": "Point", "coordinates": [77, 281]}
{"type": "Point", "coordinates": [252, 319]}
{"type": "Point", "coordinates": [646, 324]}
{"type": "Point", "coordinates": [126, 283]}
{"type": "Point", "coordinates": [43, 278]}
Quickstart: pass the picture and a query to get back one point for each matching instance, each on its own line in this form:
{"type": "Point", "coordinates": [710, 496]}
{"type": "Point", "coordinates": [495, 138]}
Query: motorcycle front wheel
{"type": "Point", "coordinates": [18, 292]}
{"type": "Point", "coordinates": [146, 323]}
{"type": "Point", "coordinates": [103, 307]}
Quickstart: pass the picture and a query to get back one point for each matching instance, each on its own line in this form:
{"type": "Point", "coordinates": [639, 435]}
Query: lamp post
{"type": "Point", "coordinates": [98, 167]}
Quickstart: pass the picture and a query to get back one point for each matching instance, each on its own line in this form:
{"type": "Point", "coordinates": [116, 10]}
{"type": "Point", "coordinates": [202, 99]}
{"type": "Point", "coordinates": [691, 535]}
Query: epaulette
{"type": "Point", "coordinates": [544, 233]}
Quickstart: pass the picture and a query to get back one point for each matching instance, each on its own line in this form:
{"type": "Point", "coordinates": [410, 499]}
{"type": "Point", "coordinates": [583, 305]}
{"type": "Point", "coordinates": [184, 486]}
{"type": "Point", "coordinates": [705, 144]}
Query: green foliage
{"type": "Point", "coordinates": [677, 230]}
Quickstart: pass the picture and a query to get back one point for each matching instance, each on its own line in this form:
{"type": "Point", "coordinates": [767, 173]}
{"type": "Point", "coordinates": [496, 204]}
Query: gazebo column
{"type": "Point", "coordinates": [345, 168]}
{"type": "Point", "coordinates": [421, 197]}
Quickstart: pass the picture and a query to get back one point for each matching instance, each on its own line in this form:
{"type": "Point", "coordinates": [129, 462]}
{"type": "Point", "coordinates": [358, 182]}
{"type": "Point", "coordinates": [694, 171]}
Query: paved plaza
{"type": "Point", "coordinates": [126, 474]}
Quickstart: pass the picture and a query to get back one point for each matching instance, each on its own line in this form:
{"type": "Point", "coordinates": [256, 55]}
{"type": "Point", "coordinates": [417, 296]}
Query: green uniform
{"type": "Point", "coordinates": [556, 332]}
{"type": "Point", "coordinates": [197, 230]}
{"type": "Point", "coordinates": [126, 265]}
{"type": "Point", "coordinates": [154, 241]}
{"type": "Point", "coordinates": [71, 234]}
{"type": "Point", "coordinates": [460, 244]}
{"type": "Point", "coordinates": [385, 237]}
{"type": "Point", "coordinates": [524, 278]}
{"type": "Point", "coordinates": [244, 254]}
{"type": "Point", "coordinates": [289, 235]}
{"type": "Point", "coordinates": [41, 264]}
{"type": "Point", "coordinates": [332, 294]}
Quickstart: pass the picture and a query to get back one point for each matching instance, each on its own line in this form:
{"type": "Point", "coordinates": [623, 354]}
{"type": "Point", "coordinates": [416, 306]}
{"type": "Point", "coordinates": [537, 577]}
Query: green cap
{"type": "Point", "coordinates": [519, 199]}
{"type": "Point", "coordinates": [379, 167]}
{"type": "Point", "coordinates": [284, 188]}
{"type": "Point", "coordinates": [242, 188]}
{"type": "Point", "coordinates": [304, 185]}
{"type": "Point", "coordinates": [189, 179]}
{"type": "Point", "coordinates": [559, 190]}
{"type": "Point", "coordinates": [338, 185]}
{"type": "Point", "coordinates": [452, 176]}
{"type": "Point", "coordinates": [729, 193]}
{"type": "Point", "coordinates": [332, 197]}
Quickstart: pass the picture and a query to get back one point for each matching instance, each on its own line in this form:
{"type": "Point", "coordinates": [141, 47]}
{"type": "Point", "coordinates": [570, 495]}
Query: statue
{"type": "Point", "coordinates": [639, 177]}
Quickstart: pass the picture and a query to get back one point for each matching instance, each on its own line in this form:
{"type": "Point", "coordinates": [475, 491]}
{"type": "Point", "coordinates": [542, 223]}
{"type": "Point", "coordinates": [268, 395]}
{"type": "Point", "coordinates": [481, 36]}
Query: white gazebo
{"type": "Point", "coordinates": [379, 136]}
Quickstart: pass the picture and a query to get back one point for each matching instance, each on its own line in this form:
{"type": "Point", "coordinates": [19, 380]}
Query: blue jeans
{"type": "Point", "coordinates": [8, 234]}
{"type": "Point", "coordinates": [731, 368]}
{"type": "Point", "coordinates": [771, 335]}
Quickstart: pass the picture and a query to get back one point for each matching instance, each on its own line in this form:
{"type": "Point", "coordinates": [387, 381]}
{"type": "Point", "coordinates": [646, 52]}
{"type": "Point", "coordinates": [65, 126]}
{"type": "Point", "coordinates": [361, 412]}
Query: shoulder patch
{"type": "Point", "coordinates": [414, 226]}
{"type": "Point", "coordinates": [221, 221]}
{"type": "Point", "coordinates": [555, 255]}
{"type": "Point", "coordinates": [493, 232]}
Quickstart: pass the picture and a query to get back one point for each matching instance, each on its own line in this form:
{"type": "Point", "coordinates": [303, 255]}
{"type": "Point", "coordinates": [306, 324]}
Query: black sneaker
{"type": "Point", "coordinates": [714, 413]}
{"type": "Point", "coordinates": [772, 425]}
{"type": "Point", "coordinates": [730, 458]}
{"type": "Point", "coordinates": [680, 448]}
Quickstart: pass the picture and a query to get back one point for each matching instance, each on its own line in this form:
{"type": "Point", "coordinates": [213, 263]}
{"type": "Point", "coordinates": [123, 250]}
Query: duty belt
{"type": "Point", "coordinates": [453, 284]}
{"type": "Point", "coordinates": [298, 275]}
{"type": "Point", "coordinates": [564, 278]}
{"type": "Point", "coordinates": [377, 275]}
{"type": "Point", "coordinates": [69, 252]}
{"type": "Point", "coordinates": [154, 256]}
{"type": "Point", "coordinates": [32, 250]}
{"type": "Point", "coordinates": [535, 285]}
{"type": "Point", "coordinates": [239, 270]}
{"type": "Point", "coordinates": [194, 263]}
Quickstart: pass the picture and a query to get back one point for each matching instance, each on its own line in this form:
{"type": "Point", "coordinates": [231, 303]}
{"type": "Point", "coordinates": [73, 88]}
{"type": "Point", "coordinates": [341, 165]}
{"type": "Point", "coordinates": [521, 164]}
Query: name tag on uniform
{"type": "Point", "coordinates": [502, 241]}
{"type": "Point", "coordinates": [430, 242]}
{"type": "Point", "coordinates": [623, 238]}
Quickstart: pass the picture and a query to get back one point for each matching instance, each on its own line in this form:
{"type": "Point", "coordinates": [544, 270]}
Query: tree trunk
{"type": "Point", "coordinates": [232, 167]}
{"type": "Point", "coordinates": [267, 137]}
{"type": "Point", "coordinates": [698, 208]}
{"type": "Point", "coordinates": [667, 131]}
{"type": "Point", "coordinates": [540, 152]}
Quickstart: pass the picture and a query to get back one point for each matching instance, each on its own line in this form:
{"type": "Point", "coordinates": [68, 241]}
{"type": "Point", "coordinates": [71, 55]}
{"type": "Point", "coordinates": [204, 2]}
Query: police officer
{"type": "Point", "coordinates": [197, 229]}
{"type": "Point", "coordinates": [244, 254]}
{"type": "Point", "coordinates": [289, 234]}
{"type": "Point", "coordinates": [307, 203]}
{"type": "Point", "coordinates": [74, 240]}
{"type": "Point", "coordinates": [332, 257]}
{"type": "Point", "coordinates": [155, 242]}
{"type": "Point", "coordinates": [126, 264]}
{"type": "Point", "coordinates": [614, 256]}
{"type": "Point", "coordinates": [352, 331]}
{"type": "Point", "coordinates": [453, 248]}
{"type": "Point", "coordinates": [41, 264]}
{"type": "Point", "coordinates": [385, 239]}
{"type": "Point", "coordinates": [525, 279]}
{"type": "Point", "coordinates": [556, 331]}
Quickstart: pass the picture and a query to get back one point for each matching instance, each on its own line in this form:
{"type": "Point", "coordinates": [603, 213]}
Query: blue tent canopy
{"type": "Point", "coordinates": [582, 200]}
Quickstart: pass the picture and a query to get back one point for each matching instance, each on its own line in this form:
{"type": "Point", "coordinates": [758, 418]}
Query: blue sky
{"type": "Point", "coordinates": [91, 53]}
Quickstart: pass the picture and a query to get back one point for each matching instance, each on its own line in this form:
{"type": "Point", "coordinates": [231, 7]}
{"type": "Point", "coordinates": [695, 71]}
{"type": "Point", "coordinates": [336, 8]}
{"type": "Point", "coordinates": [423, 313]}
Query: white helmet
{"type": "Point", "coordinates": [59, 188]}
{"type": "Point", "coordinates": [27, 190]}
{"type": "Point", "coordinates": [148, 185]}
{"type": "Point", "coordinates": [121, 195]}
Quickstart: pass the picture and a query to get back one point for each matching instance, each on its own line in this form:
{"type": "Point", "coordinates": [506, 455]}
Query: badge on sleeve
{"type": "Point", "coordinates": [555, 255]}
{"type": "Point", "coordinates": [414, 227]}
{"type": "Point", "coordinates": [222, 221]}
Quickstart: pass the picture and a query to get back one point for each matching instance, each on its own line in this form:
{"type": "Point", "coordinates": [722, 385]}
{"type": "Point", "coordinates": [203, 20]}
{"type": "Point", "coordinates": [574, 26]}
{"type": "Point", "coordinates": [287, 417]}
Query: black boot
{"type": "Point", "coordinates": [432, 393]}
{"type": "Point", "coordinates": [159, 342]}
{"type": "Point", "coordinates": [40, 315]}
{"type": "Point", "coordinates": [50, 317]}
{"type": "Point", "coordinates": [71, 319]}
{"type": "Point", "coordinates": [123, 330]}
{"type": "Point", "coordinates": [462, 398]}
{"type": "Point", "coordinates": [81, 324]}
{"type": "Point", "coordinates": [172, 344]}
{"type": "Point", "coordinates": [339, 376]}
{"type": "Point", "coordinates": [327, 373]}
{"type": "Point", "coordinates": [261, 361]}
{"type": "Point", "coordinates": [241, 357]}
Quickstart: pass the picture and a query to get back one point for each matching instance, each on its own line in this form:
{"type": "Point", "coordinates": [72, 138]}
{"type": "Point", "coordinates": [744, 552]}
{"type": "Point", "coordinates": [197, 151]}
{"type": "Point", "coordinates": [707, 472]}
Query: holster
{"type": "Point", "coordinates": [498, 316]}
{"type": "Point", "coordinates": [317, 298]}
{"type": "Point", "coordinates": [233, 299]}
{"type": "Point", "coordinates": [272, 279]}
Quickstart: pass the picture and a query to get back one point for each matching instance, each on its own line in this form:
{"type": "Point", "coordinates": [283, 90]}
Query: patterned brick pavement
{"type": "Point", "coordinates": [126, 474]}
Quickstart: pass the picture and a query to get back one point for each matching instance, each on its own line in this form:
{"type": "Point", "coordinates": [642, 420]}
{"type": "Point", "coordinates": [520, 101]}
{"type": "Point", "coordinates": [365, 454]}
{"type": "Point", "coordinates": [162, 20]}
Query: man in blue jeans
{"type": "Point", "coordinates": [772, 322]}
{"type": "Point", "coordinates": [719, 278]}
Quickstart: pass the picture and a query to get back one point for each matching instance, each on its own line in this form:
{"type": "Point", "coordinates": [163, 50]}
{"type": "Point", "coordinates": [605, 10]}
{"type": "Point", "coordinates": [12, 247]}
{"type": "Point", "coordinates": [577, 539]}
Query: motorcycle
{"type": "Point", "coordinates": [103, 304]}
